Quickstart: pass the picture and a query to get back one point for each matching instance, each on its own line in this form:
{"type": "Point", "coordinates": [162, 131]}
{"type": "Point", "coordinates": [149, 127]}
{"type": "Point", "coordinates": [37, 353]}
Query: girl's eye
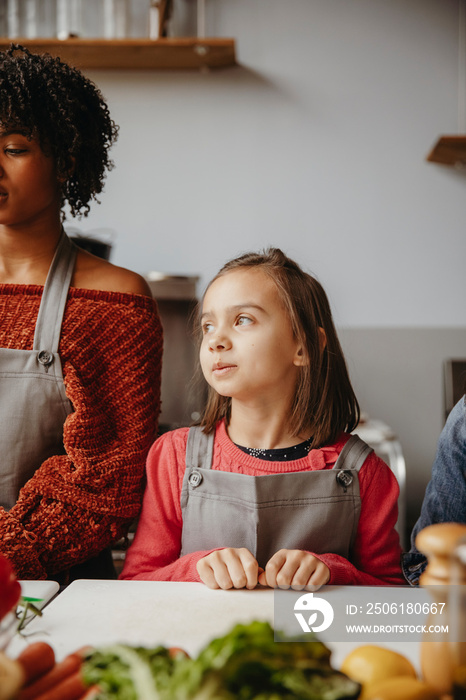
{"type": "Point", "coordinates": [243, 321]}
{"type": "Point", "coordinates": [15, 151]}
{"type": "Point", "coordinates": [207, 327]}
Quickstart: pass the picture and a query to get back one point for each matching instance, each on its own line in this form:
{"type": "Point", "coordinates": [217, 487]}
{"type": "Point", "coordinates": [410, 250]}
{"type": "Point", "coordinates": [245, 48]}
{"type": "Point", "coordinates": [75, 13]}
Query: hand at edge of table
{"type": "Point", "coordinates": [237, 568]}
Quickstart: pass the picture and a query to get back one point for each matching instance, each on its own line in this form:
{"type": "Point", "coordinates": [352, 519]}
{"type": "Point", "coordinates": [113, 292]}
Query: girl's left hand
{"type": "Point", "coordinates": [296, 569]}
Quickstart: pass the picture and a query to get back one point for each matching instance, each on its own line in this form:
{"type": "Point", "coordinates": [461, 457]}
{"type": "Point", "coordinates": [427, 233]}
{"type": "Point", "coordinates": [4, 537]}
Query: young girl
{"type": "Point", "coordinates": [270, 489]}
{"type": "Point", "coordinates": [80, 339]}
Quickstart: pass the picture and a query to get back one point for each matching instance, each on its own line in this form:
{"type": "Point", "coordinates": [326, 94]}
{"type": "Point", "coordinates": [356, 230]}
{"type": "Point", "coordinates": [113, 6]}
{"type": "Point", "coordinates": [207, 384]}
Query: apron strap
{"type": "Point", "coordinates": [53, 302]}
{"type": "Point", "coordinates": [353, 454]}
{"type": "Point", "coordinates": [199, 448]}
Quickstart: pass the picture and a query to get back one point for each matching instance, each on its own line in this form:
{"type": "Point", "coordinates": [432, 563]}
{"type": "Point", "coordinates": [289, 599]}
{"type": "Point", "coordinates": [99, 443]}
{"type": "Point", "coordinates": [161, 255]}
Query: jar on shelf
{"type": "Point", "coordinates": [46, 14]}
{"type": "Point", "coordinates": [116, 19]}
{"type": "Point", "coordinates": [13, 19]}
{"type": "Point", "coordinates": [69, 18]}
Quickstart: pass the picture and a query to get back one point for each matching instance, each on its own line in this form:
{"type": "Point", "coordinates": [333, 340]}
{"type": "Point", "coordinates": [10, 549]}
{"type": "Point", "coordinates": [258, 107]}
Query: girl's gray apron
{"type": "Point", "coordinates": [316, 511]}
{"type": "Point", "coordinates": [33, 403]}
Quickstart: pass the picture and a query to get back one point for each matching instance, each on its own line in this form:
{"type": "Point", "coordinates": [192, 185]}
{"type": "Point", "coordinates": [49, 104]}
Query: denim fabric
{"type": "Point", "coordinates": [445, 497]}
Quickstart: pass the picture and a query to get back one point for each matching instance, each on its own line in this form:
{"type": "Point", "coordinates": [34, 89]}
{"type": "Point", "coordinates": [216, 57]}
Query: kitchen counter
{"type": "Point", "coordinates": [147, 613]}
{"type": "Point", "coordinates": [186, 615]}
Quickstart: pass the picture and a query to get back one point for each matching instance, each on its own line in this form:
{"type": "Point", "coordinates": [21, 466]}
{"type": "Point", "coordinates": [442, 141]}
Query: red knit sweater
{"type": "Point", "coordinates": [79, 503]}
{"type": "Point", "coordinates": [155, 552]}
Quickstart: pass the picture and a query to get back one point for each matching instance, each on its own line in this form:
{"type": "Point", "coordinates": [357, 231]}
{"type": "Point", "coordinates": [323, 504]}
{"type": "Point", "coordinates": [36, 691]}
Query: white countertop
{"type": "Point", "coordinates": [148, 613]}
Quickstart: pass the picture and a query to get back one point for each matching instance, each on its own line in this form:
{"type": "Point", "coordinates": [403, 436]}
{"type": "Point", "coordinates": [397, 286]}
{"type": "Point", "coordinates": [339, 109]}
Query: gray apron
{"type": "Point", "coordinates": [33, 403]}
{"type": "Point", "coordinates": [316, 511]}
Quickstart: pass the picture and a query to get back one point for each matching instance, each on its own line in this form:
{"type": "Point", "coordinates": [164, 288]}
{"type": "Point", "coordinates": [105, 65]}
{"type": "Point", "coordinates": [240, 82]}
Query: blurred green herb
{"type": "Point", "coordinates": [245, 664]}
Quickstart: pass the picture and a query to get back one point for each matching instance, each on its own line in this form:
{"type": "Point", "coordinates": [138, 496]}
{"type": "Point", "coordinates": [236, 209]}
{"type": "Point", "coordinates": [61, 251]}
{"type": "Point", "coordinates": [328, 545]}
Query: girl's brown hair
{"type": "Point", "coordinates": [324, 400]}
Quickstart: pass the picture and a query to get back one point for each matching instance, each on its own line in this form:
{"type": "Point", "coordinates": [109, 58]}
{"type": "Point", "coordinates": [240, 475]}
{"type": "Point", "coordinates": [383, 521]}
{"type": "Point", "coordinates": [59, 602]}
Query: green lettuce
{"type": "Point", "coordinates": [245, 664]}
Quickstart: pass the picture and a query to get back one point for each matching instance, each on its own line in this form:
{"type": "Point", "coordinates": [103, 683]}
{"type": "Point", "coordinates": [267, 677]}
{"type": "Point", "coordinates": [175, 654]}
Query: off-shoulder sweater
{"type": "Point", "coordinates": [78, 503]}
{"type": "Point", "coordinates": [155, 552]}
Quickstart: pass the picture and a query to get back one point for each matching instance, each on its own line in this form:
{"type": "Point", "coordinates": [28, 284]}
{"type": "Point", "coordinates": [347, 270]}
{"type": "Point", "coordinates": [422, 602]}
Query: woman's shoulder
{"type": "Point", "coordinates": [95, 314]}
{"type": "Point", "coordinates": [457, 416]}
{"type": "Point", "coordinates": [451, 447]}
{"type": "Point", "coordinates": [100, 275]}
{"type": "Point", "coordinates": [108, 320]}
{"type": "Point", "coordinates": [123, 293]}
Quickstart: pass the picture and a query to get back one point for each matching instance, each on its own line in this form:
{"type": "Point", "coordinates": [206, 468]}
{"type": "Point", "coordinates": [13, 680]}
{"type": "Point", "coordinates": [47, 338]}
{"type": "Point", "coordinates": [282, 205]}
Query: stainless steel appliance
{"type": "Point", "coordinates": [182, 387]}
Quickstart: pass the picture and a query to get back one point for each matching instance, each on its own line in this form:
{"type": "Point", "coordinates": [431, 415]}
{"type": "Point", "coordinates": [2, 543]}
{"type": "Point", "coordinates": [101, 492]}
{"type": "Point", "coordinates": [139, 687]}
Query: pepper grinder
{"type": "Point", "coordinates": [457, 602]}
{"type": "Point", "coordinates": [440, 654]}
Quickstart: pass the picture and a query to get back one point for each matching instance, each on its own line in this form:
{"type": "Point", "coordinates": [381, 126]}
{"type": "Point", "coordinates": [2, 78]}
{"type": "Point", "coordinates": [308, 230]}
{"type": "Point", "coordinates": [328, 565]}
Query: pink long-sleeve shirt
{"type": "Point", "coordinates": [155, 552]}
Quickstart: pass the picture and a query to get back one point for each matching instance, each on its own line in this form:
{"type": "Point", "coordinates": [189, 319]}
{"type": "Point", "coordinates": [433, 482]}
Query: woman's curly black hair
{"type": "Point", "coordinates": [55, 103]}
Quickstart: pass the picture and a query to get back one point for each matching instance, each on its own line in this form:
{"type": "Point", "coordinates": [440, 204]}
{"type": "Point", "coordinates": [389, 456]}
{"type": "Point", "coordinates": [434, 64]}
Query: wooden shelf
{"type": "Point", "coordinates": [449, 150]}
{"type": "Point", "coordinates": [134, 54]}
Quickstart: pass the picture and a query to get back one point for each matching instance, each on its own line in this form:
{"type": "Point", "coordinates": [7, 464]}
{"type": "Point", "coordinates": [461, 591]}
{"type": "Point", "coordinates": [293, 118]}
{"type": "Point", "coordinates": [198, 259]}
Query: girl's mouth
{"type": "Point", "coordinates": [221, 370]}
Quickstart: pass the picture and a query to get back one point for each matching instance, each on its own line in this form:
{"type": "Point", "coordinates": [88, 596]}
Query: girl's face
{"type": "Point", "coordinates": [248, 350]}
{"type": "Point", "coordinates": [29, 188]}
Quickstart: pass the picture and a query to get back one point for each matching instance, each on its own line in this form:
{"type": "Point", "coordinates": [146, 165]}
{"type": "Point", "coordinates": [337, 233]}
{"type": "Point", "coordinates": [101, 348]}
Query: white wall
{"type": "Point", "coordinates": [315, 143]}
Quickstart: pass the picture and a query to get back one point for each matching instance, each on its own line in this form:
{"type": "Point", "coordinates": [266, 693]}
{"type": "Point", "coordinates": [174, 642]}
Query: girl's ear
{"type": "Point", "coordinates": [300, 359]}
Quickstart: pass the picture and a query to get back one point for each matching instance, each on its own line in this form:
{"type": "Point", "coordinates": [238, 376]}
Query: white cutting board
{"type": "Point", "coordinates": [39, 592]}
{"type": "Point", "coordinates": [146, 613]}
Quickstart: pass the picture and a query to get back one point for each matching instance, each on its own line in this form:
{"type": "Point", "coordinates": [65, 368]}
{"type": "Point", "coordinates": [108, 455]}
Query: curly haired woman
{"type": "Point", "coordinates": [80, 339]}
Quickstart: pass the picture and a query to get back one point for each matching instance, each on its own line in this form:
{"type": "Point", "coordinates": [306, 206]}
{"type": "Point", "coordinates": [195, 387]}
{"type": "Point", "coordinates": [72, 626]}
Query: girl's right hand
{"type": "Point", "coordinates": [229, 568]}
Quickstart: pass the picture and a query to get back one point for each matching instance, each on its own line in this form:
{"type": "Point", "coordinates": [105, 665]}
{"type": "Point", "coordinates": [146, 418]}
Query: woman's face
{"type": "Point", "coordinates": [248, 351]}
{"type": "Point", "coordinates": [29, 187]}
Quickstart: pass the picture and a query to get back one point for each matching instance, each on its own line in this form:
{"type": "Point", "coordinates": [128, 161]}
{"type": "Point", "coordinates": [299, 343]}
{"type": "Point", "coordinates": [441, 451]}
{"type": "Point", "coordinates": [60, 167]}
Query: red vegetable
{"type": "Point", "coordinates": [53, 678]}
{"type": "Point", "coordinates": [71, 688]}
{"type": "Point", "coordinates": [177, 651]}
{"type": "Point", "coordinates": [9, 586]}
{"type": "Point", "coordinates": [38, 658]}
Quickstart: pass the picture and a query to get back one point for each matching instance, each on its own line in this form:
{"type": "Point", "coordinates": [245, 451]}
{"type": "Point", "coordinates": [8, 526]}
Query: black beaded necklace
{"type": "Point", "coordinates": [282, 454]}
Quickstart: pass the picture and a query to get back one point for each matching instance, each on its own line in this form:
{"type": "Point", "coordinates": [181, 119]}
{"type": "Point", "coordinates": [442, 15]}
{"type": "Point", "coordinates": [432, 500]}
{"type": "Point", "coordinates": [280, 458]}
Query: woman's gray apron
{"type": "Point", "coordinates": [33, 403]}
{"type": "Point", "coordinates": [316, 511]}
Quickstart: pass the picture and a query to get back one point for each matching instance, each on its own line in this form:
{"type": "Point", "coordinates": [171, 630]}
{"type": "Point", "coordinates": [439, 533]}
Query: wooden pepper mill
{"type": "Point", "coordinates": [440, 654]}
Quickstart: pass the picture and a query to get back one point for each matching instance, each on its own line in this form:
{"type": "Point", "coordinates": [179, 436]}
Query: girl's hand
{"type": "Point", "coordinates": [296, 569]}
{"type": "Point", "coordinates": [229, 568]}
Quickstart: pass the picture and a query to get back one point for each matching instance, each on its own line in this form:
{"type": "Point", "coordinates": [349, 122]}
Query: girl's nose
{"type": "Point", "coordinates": [219, 342]}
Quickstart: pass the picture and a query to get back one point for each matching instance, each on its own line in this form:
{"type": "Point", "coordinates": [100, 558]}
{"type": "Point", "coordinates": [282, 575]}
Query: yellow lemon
{"type": "Point", "coordinates": [370, 663]}
{"type": "Point", "coordinates": [400, 688]}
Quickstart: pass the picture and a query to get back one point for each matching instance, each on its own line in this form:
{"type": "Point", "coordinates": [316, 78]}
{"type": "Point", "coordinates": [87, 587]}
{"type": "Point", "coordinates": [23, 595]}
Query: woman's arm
{"type": "Point", "coordinates": [77, 504]}
{"type": "Point", "coordinates": [445, 496]}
